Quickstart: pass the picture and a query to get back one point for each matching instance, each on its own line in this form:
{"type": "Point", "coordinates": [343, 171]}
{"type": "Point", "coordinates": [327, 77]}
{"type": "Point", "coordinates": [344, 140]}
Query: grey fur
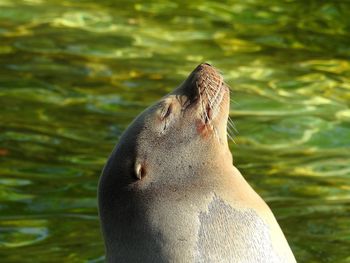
{"type": "Point", "coordinates": [228, 233]}
{"type": "Point", "coordinates": [169, 191]}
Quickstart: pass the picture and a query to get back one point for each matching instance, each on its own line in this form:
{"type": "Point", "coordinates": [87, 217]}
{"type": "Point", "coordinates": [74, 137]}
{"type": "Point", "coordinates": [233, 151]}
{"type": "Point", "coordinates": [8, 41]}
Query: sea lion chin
{"type": "Point", "coordinates": [169, 191]}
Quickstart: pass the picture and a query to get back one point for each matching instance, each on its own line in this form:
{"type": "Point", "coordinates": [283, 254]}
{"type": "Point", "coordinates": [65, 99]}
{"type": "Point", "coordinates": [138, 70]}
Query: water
{"type": "Point", "coordinates": [73, 74]}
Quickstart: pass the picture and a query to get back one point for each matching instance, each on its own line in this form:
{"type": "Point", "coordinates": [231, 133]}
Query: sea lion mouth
{"type": "Point", "coordinates": [210, 89]}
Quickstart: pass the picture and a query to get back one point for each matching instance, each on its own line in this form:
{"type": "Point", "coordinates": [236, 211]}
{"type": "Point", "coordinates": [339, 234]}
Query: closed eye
{"type": "Point", "coordinates": [168, 112]}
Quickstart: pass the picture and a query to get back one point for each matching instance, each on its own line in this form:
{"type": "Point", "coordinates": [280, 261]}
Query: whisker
{"type": "Point", "coordinates": [214, 103]}
{"type": "Point", "coordinates": [211, 93]}
{"type": "Point", "coordinates": [231, 124]}
{"type": "Point", "coordinates": [231, 138]}
{"type": "Point", "coordinates": [209, 97]}
{"type": "Point", "coordinates": [204, 112]}
{"type": "Point", "coordinates": [235, 102]}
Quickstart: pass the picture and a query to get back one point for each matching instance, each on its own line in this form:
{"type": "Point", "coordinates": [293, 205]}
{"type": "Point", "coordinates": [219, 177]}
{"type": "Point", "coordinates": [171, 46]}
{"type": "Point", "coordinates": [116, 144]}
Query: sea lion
{"type": "Point", "coordinates": [169, 191]}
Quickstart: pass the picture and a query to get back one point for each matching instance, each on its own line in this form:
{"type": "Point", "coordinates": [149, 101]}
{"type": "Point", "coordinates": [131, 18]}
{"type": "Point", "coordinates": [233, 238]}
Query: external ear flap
{"type": "Point", "coordinates": [139, 170]}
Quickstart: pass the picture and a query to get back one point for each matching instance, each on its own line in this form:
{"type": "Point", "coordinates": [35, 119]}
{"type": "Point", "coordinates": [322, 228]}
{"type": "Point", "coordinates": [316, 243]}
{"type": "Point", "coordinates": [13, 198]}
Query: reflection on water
{"type": "Point", "coordinates": [73, 74]}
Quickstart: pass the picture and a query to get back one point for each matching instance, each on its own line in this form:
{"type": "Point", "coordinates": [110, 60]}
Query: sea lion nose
{"type": "Point", "coordinates": [204, 66]}
{"type": "Point", "coordinates": [205, 71]}
{"type": "Point", "coordinates": [202, 76]}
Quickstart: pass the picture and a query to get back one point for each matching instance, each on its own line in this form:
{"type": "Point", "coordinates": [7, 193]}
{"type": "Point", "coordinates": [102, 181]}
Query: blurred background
{"type": "Point", "coordinates": [73, 74]}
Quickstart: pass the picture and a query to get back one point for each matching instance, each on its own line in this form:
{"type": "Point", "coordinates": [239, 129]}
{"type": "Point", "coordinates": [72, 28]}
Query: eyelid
{"type": "Point", "coordinates": [166, 113]}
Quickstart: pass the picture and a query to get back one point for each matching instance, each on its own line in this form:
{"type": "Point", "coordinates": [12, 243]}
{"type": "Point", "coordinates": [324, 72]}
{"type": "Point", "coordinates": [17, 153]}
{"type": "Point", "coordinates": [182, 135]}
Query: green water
{"type": "Point", "coordinates": [73, 74]}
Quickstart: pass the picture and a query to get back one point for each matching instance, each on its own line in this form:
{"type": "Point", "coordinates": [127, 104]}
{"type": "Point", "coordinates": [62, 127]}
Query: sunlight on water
{"type": "Point", "coordinates": [19, 233]}
{"type": "Point", "coordinates": [73, 74]}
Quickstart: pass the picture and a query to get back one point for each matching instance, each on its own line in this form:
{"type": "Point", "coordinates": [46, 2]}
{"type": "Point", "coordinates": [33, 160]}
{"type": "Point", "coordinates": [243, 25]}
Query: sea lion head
{"type": "Point", "coordinates": [184, 127]}
{"type": "Point", "coordinates": [187, 124]}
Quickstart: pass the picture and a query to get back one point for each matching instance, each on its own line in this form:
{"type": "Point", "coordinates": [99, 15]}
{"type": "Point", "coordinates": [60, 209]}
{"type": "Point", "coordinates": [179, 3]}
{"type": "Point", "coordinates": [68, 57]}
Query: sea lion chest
{"type": "Point", "coordinates": [198, 225]}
